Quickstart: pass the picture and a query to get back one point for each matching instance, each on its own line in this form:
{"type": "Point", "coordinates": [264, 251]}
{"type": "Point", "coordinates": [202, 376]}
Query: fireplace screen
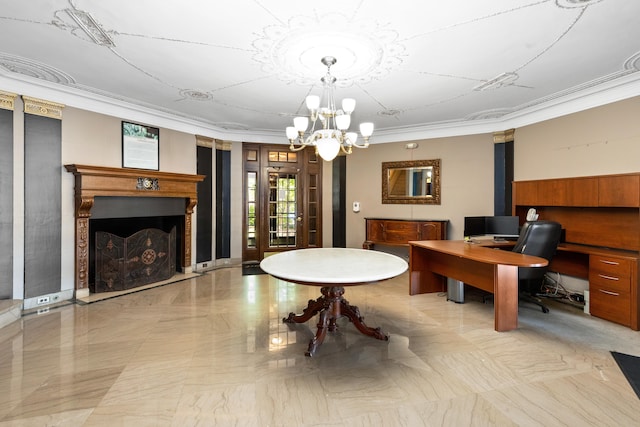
{"type": "Point", "coordinates": [147, 256]}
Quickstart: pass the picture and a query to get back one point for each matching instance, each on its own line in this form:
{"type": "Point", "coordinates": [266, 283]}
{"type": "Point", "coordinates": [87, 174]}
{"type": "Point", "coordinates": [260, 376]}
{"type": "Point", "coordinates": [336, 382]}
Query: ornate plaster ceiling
{"type": "Point", "coordinates": [240, 70]}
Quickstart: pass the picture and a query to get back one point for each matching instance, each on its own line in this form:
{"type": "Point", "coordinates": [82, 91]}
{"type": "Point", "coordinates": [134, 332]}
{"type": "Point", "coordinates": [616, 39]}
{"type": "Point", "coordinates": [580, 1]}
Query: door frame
{"type": "Point", "coordinates": [259, 159]}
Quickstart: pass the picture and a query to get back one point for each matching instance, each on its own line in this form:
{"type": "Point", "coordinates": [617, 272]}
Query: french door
{"type": "Point", "coordinates": [282, 200]}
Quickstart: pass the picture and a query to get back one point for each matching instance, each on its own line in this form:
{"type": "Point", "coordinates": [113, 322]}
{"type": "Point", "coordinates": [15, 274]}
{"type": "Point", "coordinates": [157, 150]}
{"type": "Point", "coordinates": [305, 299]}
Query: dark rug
{"type": "Point", "coordinates": [630, 367]}
{"type": "Point", "coordinates": [251, 269]}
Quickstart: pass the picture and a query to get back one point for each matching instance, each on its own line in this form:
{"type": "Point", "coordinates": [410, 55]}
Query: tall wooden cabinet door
{"type": "Point", "coordinates": [619, 191]}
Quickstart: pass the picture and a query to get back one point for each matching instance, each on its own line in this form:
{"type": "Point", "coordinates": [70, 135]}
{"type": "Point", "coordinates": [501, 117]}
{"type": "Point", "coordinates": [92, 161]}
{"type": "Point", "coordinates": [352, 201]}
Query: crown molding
{"type": "Point", "coordinates": [618, 89]}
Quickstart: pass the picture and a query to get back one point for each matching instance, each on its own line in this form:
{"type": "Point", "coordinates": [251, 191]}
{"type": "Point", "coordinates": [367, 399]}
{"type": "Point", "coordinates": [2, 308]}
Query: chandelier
{"type": "Point", "coordinates": [331, 134]}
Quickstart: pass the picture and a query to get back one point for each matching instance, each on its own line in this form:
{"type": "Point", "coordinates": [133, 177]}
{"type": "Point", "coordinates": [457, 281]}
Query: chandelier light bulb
{"type": "Point", "coordinates": [313, 102]}
{"type": "Point", "coordinates": [366, 129]}
{"type": "Point", "coordinates": [301, 123]}
{"type": "Point", "coordinates": [348, 105]}
{"type": "Point", "coordinates": [292, 133]}
{"type": "Point", "coordinates": [343, 121]}
{"type": "Point", "coordinates": [351, 138]}
{"type": "Point", "coordinates": [328, 147]}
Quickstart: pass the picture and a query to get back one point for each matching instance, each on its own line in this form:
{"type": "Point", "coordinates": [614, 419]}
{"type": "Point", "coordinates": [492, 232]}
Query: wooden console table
{"type": "Point", "coordinates": [600, 216]}
{"type": "Point", "coordinates": [398, 232]}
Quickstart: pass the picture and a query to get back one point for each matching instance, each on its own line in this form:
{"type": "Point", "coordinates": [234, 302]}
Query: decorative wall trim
{"type": "Point", "coordinates": [204, 141]}
{"type": "Point", "coordinates": [504, 136]}
{"type": "Point", "coordinates": [223, 145]}
{"type": "Point", "coordinates": [40, 107]}
{"type": "Point", "coordinates": [7, 100]}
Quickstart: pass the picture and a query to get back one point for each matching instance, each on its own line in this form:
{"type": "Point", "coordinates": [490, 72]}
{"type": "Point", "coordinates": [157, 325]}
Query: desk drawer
{"type": "Point", "coordinates": [610, 305]}
{"type": "Point", "coordinates": [610, 288]}
{"type": "Point", "coordinates": [610, 273]}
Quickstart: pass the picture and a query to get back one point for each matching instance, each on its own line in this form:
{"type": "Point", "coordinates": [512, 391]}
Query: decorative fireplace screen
{"type": "Point", "coordinates": [147, 256]}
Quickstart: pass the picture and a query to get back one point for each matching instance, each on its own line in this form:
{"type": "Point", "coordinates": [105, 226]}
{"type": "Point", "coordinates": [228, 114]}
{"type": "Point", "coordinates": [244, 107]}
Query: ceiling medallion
{"type": "Point", "coordinates": [570, 4]}
{"type": "Point", "coordinates": [366, 50]}
{"type": "Point", "coordinates": [196, 95]}
{"type": "Point", "coordinates": [504, 79]}
{"type": "Point", "coordinates": [27, 67]}
{"type": "Point", "coordinates": [231, 126]}
{"type": "Point", "coordinates": [82, 25]}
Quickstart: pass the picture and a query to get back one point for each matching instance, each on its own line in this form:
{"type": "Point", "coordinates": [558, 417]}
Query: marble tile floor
{"type": "Point", "coordinates": [212, 350]}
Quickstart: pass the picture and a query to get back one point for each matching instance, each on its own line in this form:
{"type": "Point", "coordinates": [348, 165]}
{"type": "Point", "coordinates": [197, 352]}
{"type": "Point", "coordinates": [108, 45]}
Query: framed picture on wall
{"type": "Point", "coordinates": [140, 146]}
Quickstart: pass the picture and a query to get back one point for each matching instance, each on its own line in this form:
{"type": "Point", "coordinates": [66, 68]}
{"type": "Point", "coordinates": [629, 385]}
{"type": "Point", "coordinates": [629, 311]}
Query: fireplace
{"type": "Point", "coordinates": [108, 199]}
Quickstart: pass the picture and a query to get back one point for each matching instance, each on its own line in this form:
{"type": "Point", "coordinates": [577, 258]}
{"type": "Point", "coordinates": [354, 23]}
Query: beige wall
{"type": "Point", "coordinates": [96, 139]}
{"type": "Point", "coordinates": [599, 141]}
{"type": "Point", "coordinates": [466, 182]}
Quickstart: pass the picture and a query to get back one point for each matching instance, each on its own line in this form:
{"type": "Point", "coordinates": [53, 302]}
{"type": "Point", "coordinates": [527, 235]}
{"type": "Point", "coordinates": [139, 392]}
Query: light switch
{"type": "Point", "coordinates": [356, 206]}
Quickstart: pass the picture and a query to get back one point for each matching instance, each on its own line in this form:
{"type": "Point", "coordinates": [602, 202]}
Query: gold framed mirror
{"type": "Point", "coordinates": [411, 182]}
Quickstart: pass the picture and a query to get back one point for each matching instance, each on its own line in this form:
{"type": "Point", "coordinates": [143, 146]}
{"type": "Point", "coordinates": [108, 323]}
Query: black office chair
{"type": "Point", "coordinates": [537, 238]}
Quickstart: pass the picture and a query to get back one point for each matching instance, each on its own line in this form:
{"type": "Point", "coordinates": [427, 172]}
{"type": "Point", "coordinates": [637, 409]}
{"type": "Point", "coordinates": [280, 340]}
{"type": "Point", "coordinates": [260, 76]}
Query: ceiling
{"type": "Point", "coordinates": [241, 70]}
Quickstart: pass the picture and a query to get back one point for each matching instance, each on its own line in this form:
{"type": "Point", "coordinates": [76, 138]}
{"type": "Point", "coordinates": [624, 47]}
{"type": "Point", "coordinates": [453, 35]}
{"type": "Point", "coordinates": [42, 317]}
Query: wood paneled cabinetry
{"type": "Point", "coordinates": [397, 232]}
{"type": "Point", "coordinates": [593, 191]}
{"type": "Point", "coordinates": [600, 217]}
{"type": "Point", "coordinates": [610, 287]}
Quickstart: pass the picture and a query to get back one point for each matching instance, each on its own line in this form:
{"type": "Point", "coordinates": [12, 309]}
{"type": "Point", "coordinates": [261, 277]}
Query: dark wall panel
{"type": "Point", "coordinates": [6, 204]}
{"type": "Point", "coordinates": [42, 198]}
{"type": "Point", "coordinates": [339, 190]}
{"type": "Point", "coordinates": [223, 204]}
{"type": "Point", "coordinates": [204, 221]}
{"type": "Point", "coordinates": [503, 177]}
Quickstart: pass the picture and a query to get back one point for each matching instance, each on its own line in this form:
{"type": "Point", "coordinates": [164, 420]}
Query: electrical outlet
{"type": "Point", "coordinates": [43, 300]}
{"type": "Point", "coordinates": [204, 265]}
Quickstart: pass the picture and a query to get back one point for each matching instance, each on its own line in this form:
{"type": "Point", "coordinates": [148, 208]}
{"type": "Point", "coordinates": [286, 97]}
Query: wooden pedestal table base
{"type": "Point", "coordinates": [331, 306]}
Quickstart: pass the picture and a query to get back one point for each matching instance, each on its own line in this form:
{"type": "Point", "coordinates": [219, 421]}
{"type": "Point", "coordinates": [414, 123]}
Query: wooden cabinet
{"type": "Point", "coordinates": [610, 288]}
{"type": "Point", "coordinates": [619, 191]}
{"type": "Point", "coordinates": [600, 217]}
{"type": "Point", "coordinates": [590, 191]}
{"type": "Point", "coordinates": [397, 232]}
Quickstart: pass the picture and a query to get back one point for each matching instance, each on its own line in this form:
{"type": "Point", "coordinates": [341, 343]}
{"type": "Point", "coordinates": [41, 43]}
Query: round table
{"type": "Point", "coordinates": [333, 269]}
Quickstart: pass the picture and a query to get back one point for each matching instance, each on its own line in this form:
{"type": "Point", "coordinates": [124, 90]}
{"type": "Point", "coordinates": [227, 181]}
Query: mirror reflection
{"type": "Point", "coordinates": [411, 182]}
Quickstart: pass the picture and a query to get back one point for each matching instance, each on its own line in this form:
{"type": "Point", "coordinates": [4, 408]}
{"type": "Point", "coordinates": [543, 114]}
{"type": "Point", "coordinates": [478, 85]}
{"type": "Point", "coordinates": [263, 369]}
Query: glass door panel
{"type": "Point", "coordinates": [283, 212]}
{"type": "Point", "coordinates": [251, 197]}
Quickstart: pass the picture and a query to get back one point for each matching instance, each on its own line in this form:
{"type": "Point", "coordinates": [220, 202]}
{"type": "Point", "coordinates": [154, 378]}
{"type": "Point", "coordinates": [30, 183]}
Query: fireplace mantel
{"type": "Point", "coordinates": [95, 181]}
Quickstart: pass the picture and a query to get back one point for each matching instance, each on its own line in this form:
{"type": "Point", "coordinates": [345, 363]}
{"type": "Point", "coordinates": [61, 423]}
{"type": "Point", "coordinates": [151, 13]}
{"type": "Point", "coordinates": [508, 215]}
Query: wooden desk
{"type": "Point", "coordinates": [333, 269]}
{"type": "Point", "coordinates": [492, 270]}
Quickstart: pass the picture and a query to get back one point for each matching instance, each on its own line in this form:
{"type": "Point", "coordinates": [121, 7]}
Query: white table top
{"type": "Point", "coordinates": [344, 266]}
